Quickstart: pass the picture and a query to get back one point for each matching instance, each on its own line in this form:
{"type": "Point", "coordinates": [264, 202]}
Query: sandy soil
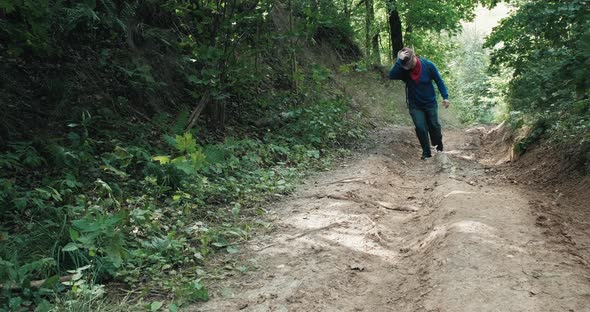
{"type": "Point", "coordinates": [386, 231]}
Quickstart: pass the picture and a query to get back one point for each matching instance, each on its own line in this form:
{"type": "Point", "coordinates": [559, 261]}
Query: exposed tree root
{"type": "Point", "coordinates": [386, 205]}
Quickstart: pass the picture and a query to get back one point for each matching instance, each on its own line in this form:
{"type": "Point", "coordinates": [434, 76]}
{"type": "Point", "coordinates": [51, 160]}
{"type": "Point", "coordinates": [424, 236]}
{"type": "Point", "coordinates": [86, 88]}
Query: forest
{"type": "Point", "coordinates": [142, 141]}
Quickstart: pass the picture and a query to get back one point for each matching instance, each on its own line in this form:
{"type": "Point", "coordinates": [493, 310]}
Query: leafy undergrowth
{"type": "Point", "coordinates": [128, 211]}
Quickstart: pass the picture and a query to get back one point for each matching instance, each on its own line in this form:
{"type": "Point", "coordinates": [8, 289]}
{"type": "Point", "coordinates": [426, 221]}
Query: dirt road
{"type": "Point", "coordinates": [389, 232]}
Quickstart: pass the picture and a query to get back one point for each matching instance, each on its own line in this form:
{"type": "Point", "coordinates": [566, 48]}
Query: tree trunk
{"type": "Point", "coordinates": [395, 30]}
{"type": "Point", "coordinates": [347, 10]}
{"type": "Point", "coordinates": [192, 120]}
{"type": "Point", "coordinates": [259, 23]}
{"type": "Point", "coordinates": [375, 55]}
{"type": "Point", "coordinates": [369, 16]}
{"type": "Point", "coordinates": [376, 50]}
{"type": "Point", "coordinates": [293, 60]}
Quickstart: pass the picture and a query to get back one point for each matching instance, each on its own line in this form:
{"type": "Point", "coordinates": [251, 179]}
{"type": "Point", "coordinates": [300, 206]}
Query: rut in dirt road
{"type": "Point", "coordinates": [388, 232]}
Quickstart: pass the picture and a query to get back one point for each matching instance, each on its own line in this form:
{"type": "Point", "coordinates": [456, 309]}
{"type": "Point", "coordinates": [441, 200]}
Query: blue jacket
{"type": "Point", "coordinates": [420, 94]}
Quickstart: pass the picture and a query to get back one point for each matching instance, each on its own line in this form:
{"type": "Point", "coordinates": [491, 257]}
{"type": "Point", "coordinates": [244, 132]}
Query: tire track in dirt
{"type": "Point", "coordinates": [471, 244]}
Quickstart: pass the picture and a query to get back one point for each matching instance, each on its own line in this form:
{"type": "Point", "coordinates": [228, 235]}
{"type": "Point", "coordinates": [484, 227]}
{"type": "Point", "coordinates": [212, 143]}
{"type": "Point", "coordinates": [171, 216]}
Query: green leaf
{"type": "Point", "coordinates": [44, 306]}
{"type": "Point", "coordinates": [156, 305]}
{"type": "Point", "coordinates": [235, 211]}
{"type": "Point", "coordinates": [86, 225]}
{"type": "Point", "coordinates": [21, 203]}
{"type": "Point", "coordinates": [198, 292]}
{"type": "Point", "coordinates": [232, 249]}
{"type": "Point", "coordinates": [313, 154]}
{"type": "Point", "coordinates": [186, 143]}
{"type": "Point", "coordinates": [172, 307]}
{"type": "Point", "coordinates": [121, 174]}
{"type": "Point", "coordinates": [14, 303]}
{"type": "Point", "coordinates": [162, 159]}
{"type": "Point", "coordinates": [198, 159]}
{"type": "Point", "coordinates": [74, 235]}
{"type": "Point", "coordinates": [178, 160]}
{"type": "Point", "coordinates": [44, 193]}
{"type": "Point", "coordinates": [185, 167]}
{"type": "Point", "coordinates": [70, 247]}
{"type": "Point", "coordinates": [50, 282]}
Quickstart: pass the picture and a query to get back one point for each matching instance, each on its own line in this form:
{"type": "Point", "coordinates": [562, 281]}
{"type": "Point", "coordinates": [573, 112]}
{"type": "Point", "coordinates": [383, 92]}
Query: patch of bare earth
{"type": "Point", "coordinates": [389, 232]}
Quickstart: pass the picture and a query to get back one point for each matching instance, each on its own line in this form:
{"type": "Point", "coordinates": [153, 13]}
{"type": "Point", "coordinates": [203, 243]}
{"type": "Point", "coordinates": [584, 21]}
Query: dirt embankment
{"type": "Point", "coordinates": [560, 178]}
{"type": "Point", "coordinates": [388, 232]}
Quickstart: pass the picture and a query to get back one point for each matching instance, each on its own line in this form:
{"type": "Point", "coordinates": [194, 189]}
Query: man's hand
{"type": "Point", "coordinates": [446, 103]}
{"type": "Point", "coordinates": [403, 55]}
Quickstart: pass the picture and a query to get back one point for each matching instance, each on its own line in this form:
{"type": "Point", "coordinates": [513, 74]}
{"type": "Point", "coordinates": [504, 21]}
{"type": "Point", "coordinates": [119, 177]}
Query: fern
{"type": "Point", "coordinates": [81, 13]}
{"type": "Point", "coordinates": [91, 13]}
{"type": "Point", "coordinates": [126, 16]}
{"type": "Point", "coordinates": [10, 161]}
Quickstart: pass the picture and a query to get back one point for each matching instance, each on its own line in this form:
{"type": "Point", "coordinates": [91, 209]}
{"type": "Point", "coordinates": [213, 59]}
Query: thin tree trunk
{"type": "Point", "coordinates": [192, 120]}
{"type": "Point", "coordinates": [256, 45]}
{"type": "Point", "coordinates": [292, 48]}
{"type": "Point", "coordinates": [395, 29]}
{"type": "Point", "coordinates": [347, 10]}
{"type": "Point", "coordinates": [229, 8]}
{"type": "Point", "coordinates": [376, 50]}
{"type": "Point", "coordinates": [206, 97]}
{"type": "Point", "coordinates": [375, 53]}
{"type": "Point", "coordinates": [390, 44]}
{"type": "Point", "coordinates": [368, 23]}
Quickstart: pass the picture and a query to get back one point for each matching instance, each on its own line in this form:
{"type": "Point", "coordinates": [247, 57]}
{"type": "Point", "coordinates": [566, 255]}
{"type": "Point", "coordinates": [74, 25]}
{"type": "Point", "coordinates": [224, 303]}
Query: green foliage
{"type": "Point", "coordinates": [94, 187]}
{"type": "Point", "coordinates": [100, 237]}
{"type": "Point", "coordinates": [22, 155]}
{"type": "Point", "coordinates": [436, 15]}
{"type": "Point", "coordinates": [18, 275]}
{"type": "Point", "coordinates": [537, 130]}
{"type": "Point", "coordinates": [477, 95]}
{"type": "Point", "coordinates": [28, 25]}
{"type": "Point", "coordinates": [106, 209]}
{"type": "Point", "coordinates": [435, 47]}
{"type": "Point", "coordinates": [191, 157]}
{"type": "Point", "coordinates": [546, 45]}
{"type": "Point", "coordinates": [324, 124]}
{"type": "Point", "coordinates": [427, 25]}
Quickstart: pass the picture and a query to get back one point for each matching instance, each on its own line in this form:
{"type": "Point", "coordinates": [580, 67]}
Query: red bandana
{"type": "Point", "coordinates": [416, 71]}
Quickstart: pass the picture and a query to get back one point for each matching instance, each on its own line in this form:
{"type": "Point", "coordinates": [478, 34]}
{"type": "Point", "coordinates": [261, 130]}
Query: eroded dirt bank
{"type": "Point", "coordinates": [388, 232]}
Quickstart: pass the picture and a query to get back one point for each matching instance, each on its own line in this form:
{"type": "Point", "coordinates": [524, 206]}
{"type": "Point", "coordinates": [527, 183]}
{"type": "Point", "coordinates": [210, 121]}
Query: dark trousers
{"type": "Point", "coordinates": [426, 122]}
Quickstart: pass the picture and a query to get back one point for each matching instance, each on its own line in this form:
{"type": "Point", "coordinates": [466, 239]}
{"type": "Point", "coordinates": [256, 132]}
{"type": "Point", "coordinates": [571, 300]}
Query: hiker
{"type": "Point", "coordinates": [418, 74]}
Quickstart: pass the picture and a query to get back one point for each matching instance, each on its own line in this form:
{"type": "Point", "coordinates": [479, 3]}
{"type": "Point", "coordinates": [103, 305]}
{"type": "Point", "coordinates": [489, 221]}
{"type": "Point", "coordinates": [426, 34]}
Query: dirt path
{"type": "Point", "coordinates": [388, 232]}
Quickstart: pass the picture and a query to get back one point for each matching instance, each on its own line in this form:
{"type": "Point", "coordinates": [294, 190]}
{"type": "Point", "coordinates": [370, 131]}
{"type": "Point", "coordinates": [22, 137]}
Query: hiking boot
{"type": "Point", "coordinates": [424, 157]}
{"type": "Point", "coordinates": [439, 148]}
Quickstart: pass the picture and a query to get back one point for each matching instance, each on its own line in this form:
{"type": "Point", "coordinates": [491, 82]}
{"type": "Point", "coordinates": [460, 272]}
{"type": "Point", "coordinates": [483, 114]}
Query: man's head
{"type": "Point", "coordinates": [408, 58]}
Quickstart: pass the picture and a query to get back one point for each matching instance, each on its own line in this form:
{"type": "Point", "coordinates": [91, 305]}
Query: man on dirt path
{"type": "Point", "coordinates": [418, 74]}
